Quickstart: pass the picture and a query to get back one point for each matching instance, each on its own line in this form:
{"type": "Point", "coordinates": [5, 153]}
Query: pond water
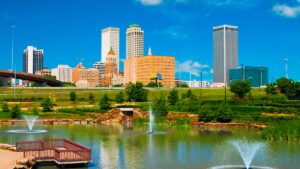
{"type": "Point", "coordinates": [129, 146]}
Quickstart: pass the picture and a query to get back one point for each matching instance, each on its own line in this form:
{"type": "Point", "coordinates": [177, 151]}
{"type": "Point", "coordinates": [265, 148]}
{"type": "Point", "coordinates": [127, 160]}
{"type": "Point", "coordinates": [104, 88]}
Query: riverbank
{"type": "Point", "coordinates": [9, 158]}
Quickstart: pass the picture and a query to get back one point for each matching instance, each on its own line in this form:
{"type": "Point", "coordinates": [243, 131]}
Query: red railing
{"type": "Point", "coordinates": [61, 150]}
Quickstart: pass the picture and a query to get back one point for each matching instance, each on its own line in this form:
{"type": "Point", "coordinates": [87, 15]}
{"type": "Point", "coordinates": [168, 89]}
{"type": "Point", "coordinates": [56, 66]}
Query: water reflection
{"type": "Point", "coordinates": [127, 146]}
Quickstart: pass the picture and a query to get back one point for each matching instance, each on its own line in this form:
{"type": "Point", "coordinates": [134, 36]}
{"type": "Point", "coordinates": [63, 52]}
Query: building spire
{"type": "Point", "coordinates": [149, 51]}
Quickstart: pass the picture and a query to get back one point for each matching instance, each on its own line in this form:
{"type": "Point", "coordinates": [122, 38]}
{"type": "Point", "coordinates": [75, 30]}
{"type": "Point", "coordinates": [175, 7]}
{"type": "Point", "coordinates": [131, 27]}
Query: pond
{"type": "Point", "coordinates": [131, 146]}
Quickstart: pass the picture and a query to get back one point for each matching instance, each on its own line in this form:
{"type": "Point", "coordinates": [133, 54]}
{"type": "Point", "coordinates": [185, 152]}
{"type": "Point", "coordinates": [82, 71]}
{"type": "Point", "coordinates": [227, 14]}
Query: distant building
{"type": "Point", "coordinates": [101, 67]}
{"type": "Point", "coordinates": [63, 73]}
{"type": "Point", "coordinates": [33, 59]}
{"type": "Point", "coordinates": [225, 51]}
{"type": "Point", "coordinates": [80, 74]}
{"type": "Point", "coordinates": [134, 41]}
{"type": "Point", "coordinates": [43, 72]}
{"type": "Point", "coordinates": [118, 79]}
{"type": "Point", "coordinates": [110, 39]}
{"type": "Point", "coordinates": [139, 69]}
{"type": "Point", "coordinates": [198, 84]}
{"type": "Point", "coordinates": [258, 76]}
{"type": "Point", "coordinates": [110, 68]}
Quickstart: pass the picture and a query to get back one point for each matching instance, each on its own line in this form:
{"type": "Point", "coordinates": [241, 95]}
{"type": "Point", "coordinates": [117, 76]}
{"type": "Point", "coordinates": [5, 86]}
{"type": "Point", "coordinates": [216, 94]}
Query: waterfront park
{"type": "Point", "coordinates": [237, 127]}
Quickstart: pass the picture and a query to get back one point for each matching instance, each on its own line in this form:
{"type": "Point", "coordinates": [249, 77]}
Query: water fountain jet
{"type": "Point", "coordinates": [30, 120]}
{"type": "Point", "coordinates": [151, 120]}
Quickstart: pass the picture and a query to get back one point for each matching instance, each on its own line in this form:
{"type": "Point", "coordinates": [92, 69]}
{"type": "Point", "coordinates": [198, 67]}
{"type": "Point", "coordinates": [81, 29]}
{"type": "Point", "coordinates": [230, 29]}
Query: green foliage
{"type": "Point", "coordinates": [277, 98]}
{"type": "Point", "coordinates": [240, 88]}
{"type": "Point", "coordinates": [224, 114]}
{"type": "Point", "coordinates": [206, 114]}
{"type": "Point", "coordinates": [117, 85]}
{"type": "Point", "coordinates": [47, 105]}
{"type": "Point", "coordinates": [173, 97]}
{"type": "Point", "coordinates": [91, 98]}
{"type": "Point", "coordinates": [283, 130]}
{"type": "Point", "coordinates": [271, 89]}
{"type": "Point", "coordinates": [187, 106]}
{"type": "Point", "coordinates": [104, 102]}
{"type": "Point", "coordinates": [5, 107]}
{"type": "Point", "coordinates": [35, 111]}
{"type": "Point", "coordinates": [136, 92]}
{"type": "Point", "coordinates": [189, 95]}
{"type": "Point", "coordinates": [50, 77]}
{"type": "Point", "coordinates": [182, 121]}
{"type": "Point", "coordinates": [154, 84]}
{"type": "Point", "coordinates": [73, 96]}
{"type": "Point", "coordinates": [182, 85]}
{"type": "Point", "coordinates": [160, 107]}
{"type": "Point", "coordinates": [284, 84]}
{"type": "Point", "coordinates": [120, 97]}
{"type": "Point", "coordinates": [15, 111]}
{"type": "Point", "coordinates": [1, 83]}
{"type": "Point", "coordinates": [69, 84]}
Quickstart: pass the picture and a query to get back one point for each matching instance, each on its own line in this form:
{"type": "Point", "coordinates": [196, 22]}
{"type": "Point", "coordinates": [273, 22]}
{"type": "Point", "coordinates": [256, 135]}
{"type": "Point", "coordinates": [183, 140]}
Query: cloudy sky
{"type": "Point", "coordinates": [69, 31]}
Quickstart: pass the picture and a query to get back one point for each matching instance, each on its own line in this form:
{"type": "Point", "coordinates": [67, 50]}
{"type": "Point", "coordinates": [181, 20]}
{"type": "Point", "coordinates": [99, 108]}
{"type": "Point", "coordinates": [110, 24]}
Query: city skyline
{"type": "Point", "coordinates": [190, 43]}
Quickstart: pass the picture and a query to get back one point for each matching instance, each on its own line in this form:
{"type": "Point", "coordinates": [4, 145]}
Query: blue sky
{"type": "Point", "coordinates": [69, 30]}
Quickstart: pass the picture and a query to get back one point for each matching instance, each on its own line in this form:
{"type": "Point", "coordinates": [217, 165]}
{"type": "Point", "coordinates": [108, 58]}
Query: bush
{"type": "Point", "coordinates": [187, 106]}
{"type": "Point", "coordinates": [91, 98]}
{"type": "Point", "coordinates": [104, 102]}
{"type": "Point", "coordinates": [120, 97]}
{"type": "Point", "coordinates": [73, 97]}
{"type": "Point", "coordinates": [47, 105]}
{"type": "Point", "coordinates": [154, 84]}
{"type": "Point", "coordinates": [271, 89]}
{"type": "Point", "coordinates": [206, 114]}
{"type": "Point", "coordinates": [35, 111]}
{"type": "Point", "coordinates": [182, 121]}
{"type": "Point", "coordinates": [5, 107]}
{"type": "Point", "coordinates": [224, 114]}
{"type": "Point", "coordinates": [173, 97]}
{"type": "Point", "coordinates": [240, 88]}
{"type": "Point", "coordinates": [160, 107]}
{"type": "Point", "coordinates": [189, 95]}
{"type": "Point", "coordinates": [15, 111]}
{"type": "Point", "coordinates": [136, 92]}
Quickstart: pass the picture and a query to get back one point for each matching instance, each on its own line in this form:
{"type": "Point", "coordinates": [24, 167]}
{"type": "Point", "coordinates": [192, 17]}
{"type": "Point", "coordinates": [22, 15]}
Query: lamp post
{"type": "Point", "coordinates": [13, 27]}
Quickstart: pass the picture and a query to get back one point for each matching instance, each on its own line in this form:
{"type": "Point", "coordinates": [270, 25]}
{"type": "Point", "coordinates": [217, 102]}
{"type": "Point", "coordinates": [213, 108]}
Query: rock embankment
{"type": "Point", "coordinates": [7, 147]}
{"type": "Point", "coordinates": [25, 163]}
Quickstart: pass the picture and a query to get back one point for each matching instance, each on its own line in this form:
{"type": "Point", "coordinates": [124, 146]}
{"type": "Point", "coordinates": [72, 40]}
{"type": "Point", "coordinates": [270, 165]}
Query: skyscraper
{"type": "Point", "coordinates": [225, 52]}
{"type": "Point", "coordinates": [134, 41]}
{"type": "Point", "coordinates": [33, 59]}
{"type": "Point", "coordinates": [110, 39]}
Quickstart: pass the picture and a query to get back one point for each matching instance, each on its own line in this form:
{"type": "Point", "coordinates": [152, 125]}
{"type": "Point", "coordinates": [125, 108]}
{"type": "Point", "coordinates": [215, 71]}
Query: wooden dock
{"type": "Point", "coordinates": [60, 151]}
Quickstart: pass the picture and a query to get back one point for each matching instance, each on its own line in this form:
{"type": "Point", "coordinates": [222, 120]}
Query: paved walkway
{"type": "Point", "coordinates": [8, 158]}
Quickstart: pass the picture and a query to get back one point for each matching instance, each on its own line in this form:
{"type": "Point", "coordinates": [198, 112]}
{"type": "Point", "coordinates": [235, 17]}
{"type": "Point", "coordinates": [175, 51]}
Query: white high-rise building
{"type": "Point", "coordinates": [63, 73]}
{"type": "Point", "coordinates": [110, 39]}
{"type": "Point", "coordinates": [134, 41]}
{"type": "Point", "coordinates": [33, 59]}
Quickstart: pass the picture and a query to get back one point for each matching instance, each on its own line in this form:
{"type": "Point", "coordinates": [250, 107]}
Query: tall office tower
{"type": "Point", "coordinates": [110, 39]}
{"type": "Point", "coordinates": [62, 73]}
{"type": "Point", "coordinates": [134, 41]}
{"type": "Point", "coordinates": [225, 52]}
{"type": "Point", "coordinates": [32, 59]}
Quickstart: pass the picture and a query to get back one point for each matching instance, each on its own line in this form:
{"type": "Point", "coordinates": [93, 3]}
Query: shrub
{"type": "Point", "coordinates": [35, 111]}
{"type": "Point", "coordinates": [73, 96]}
{"type": "Point", "coordinates": [120, 97]}
{"type": "Point", "coordinates": [104, 102]}
{"type": "Point", "coordinates": [189, 95]}
{"type": "Point", "coordinates": [206, 114]}
{"type": "Point", "coordinates": [47, 105]}
{"type": "Point", "coordinates": [224, 114]}
{"type": "Point", "coordinates": [160, 107]}
{"type": "Point", "coordinates": [5, 107]}
{"type": "Point", "coordinates": [182, 121]}
{"type": "Point", "coordinates": [283, 84]}
{"type": "Point", "coordinates": [187, 106]}
{"type": "Point", "coordinates": [173, 97]}
{"type": "Point", "coordinates": [271, 89]}
{"type": "Point", "coordinates": [91, 98]}
{"type": "Point", "coordinates": [136, 92]}
{"type": "Point", "coordinates": [154, 84]}
{"type": "Point", "coordinates": [15, 111]}
{"type": "Point", "coordinates": [240, 88]}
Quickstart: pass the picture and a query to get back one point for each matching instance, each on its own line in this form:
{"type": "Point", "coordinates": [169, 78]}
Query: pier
{"type": "Point", "coordinates": [59, 151]}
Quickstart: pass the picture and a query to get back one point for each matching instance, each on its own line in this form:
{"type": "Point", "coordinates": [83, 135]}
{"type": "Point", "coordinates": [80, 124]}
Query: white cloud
{"type": "Point", "coordinates": [150, 2]}
{"type": "Point", "coordinates": [193, 67]}
{"type": "Point", "coordinates": [174, 32]}
{"type": "Point", "coordinates": [287, 11]}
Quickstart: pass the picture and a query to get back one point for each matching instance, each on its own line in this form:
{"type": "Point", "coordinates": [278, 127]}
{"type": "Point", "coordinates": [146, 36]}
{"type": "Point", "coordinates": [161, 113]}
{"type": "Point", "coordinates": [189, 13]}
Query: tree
{"type": "Point", "coordinates": [68, 84]}
{"type": "Point", "coordinates": [160, 106]}
{"type": "Point", "coordinates": [240, 88]}
{"type": "Point", "coordinates": [91, 98]}
{"type": "Point", "coordinates": [154, 84]}
{"type": "Point", "coordinates": [104, 102]}
{"type": "Point", "coordinates": [73, 96]}
{"type": "Point", "coordinates": [35, 111]}
{"type": "Point", "coordinates": [1, 83]}
{"type": "Point", "coordinates": [136, 92]}
{"type": "Point", "coordinates": [173, 97]}
{"type": "Point", "coordinates": [120, 97]}
{"type": "Point", "coordinates": [284, 84]}
{"type": "Point", "coordinates": [271, 89]}
{"type": "Point", "coordinates": [206, 114]}
{"type": "Point", "coordinates": [5, 107]}
{"type": "Point", "coordinates": [47, 105]}
{"type": "Point", "coordinates": [15, 111]}
{"type": "Point", "coordinates": [50, 77]}
{"type": "Point", "coordinates": [224, 114]}
{"type": "Point", "coordinates": [189, 95]}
